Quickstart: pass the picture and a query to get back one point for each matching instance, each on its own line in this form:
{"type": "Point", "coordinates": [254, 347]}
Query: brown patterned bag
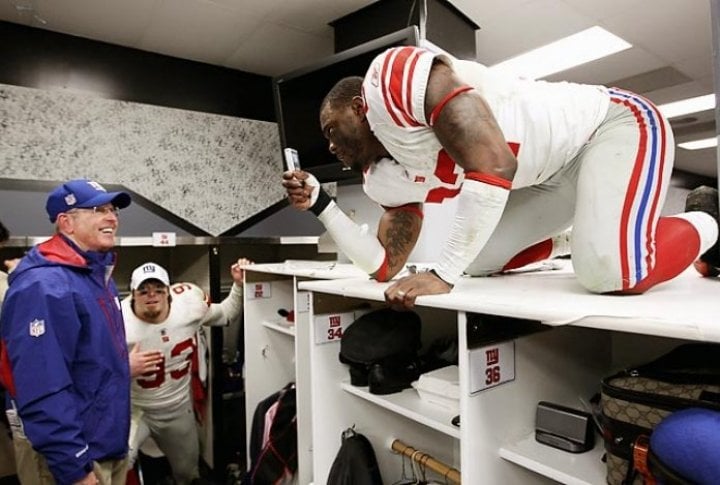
{"type": "Point", "coordinates": [635, 400]}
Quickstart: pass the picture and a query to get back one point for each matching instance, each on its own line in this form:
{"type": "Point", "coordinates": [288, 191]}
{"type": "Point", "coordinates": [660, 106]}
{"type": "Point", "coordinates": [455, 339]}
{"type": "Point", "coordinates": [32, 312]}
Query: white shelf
{"type": "Point", "coordinates": [279, 328]}
{"type": "Point", "coordinates": [684, 308]}
{"type": "Point", "coordinates": [568, 468]}
{"type": "Point", "coordinates": [407, 403]}
{"type": "Point", "coordinates": [311, 269]}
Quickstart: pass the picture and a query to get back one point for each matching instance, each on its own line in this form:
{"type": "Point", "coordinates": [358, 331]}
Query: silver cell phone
{"type": "Point", "coordinates": [292, 160]}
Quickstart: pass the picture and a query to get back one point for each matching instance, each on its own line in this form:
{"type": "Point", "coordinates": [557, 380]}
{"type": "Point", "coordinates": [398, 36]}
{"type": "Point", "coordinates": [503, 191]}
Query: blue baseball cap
{"type": "Point", "coordinates": [83, 194]}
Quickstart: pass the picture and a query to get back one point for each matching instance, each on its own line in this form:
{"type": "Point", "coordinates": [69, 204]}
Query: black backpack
{"type": "Point", "coordinates": [355, 463]}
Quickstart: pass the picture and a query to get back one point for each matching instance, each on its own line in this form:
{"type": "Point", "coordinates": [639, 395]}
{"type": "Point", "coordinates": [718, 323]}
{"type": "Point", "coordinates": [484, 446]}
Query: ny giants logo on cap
{"type": "Point", "coordinates": [96, 186]}
{"type": "Point", "coordinates": [149, 268]}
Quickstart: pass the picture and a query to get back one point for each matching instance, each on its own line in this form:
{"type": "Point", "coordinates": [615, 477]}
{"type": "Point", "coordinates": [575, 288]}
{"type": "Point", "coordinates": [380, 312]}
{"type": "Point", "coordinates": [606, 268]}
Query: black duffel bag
{"type": "Point", "coordinates": [381, 348]}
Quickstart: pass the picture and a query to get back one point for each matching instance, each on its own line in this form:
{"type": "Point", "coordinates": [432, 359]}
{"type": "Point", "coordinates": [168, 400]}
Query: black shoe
{"type": "Point", "coordinates": [705, 199]}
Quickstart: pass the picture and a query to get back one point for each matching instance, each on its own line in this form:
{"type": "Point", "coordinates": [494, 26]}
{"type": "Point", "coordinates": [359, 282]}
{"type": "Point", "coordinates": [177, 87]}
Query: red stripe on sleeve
{"type": "Point", "coordinates": [386, 95]}
{"type": "Point", "coordinates": [394, 76]}
{"type": "Point", "coordinates": [488, 179]}
{"type": "Point", "coordinates": [437, 109]}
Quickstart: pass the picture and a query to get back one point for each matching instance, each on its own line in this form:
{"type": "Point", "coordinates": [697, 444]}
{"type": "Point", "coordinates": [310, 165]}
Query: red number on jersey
{"type": "Point", "coordinates": [153, 379]}
{"type": "Point", "coordinates": [445, 171]}
{"type": "Point", "coordinates": [180, 287]}
{"type": "Point", "coordinates": [179, 349]}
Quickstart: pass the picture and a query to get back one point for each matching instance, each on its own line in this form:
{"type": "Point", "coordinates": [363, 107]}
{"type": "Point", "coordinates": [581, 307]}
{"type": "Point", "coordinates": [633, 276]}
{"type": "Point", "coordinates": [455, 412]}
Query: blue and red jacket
{"type": "Point", "coordinates": [63, 358]}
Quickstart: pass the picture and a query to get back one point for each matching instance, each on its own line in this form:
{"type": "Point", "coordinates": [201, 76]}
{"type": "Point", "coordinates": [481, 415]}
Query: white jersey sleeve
{"type": "Point", "coordinates": [221, 314]}
{"type": "Point", "coordinates": [168, 387]}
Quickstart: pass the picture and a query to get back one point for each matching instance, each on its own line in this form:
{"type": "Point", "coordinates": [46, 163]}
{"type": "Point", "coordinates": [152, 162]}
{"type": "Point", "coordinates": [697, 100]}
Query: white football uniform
{"type": "Point", "coordinates": [161, 400]}
{"type": "Point", "coordinates": [595, 158]}
{"type": "Point", "coordinates": [545, 125]}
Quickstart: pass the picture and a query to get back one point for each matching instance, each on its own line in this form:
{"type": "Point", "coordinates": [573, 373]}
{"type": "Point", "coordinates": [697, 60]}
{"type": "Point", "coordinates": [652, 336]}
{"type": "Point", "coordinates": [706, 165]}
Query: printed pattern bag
{"type": "Point", "coordinates": [635, 400]}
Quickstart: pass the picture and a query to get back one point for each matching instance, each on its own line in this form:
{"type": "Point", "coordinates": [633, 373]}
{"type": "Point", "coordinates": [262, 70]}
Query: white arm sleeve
{"type": "Point", "coordinates": [221, 314]}
{"type": "Point", "coordinates": [362, 248]}
{"type": "Point", "coordinates": [480, 206]}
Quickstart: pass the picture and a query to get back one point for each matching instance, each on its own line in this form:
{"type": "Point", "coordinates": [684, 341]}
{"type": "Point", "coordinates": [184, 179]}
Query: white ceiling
{"type": "Point", "coordinates": [272, 37]}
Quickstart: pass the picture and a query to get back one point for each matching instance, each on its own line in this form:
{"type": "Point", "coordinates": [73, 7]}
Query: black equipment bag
{"type": "Point", "coordinates": [381, 349]}
{"type": "Point", "coordinates": [355, 463]}
{"type": "Point", "coordinates": [635, 400]}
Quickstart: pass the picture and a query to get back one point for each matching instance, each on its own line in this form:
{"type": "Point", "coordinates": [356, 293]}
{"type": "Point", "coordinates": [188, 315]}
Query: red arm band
{"type": "Point", "coordinates": [489, 179]}
{"type": "Point", "coordinates": [436, 111]}
{"type": "Point", "coordinates": [407, 208]}
{"type": "Point", "coordinates": [382, 273]}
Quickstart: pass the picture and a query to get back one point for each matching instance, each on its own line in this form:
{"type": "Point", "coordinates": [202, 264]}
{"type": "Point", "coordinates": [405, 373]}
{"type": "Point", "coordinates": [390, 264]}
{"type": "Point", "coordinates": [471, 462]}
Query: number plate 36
{"type": "Point", "coordinates": [491, 366]}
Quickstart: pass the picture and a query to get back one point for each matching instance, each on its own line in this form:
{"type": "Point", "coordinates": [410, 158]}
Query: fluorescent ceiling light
{"type": "Point", "coordinates": [687, 106]}
{"type": "Point", "coordinates": [699, 144]}
{"type": "Point", "coordinates": [586, 46]}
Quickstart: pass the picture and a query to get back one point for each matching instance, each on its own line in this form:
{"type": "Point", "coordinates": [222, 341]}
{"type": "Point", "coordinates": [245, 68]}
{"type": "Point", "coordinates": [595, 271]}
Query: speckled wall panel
{"type": "Point", "coordinates": [214, 171]}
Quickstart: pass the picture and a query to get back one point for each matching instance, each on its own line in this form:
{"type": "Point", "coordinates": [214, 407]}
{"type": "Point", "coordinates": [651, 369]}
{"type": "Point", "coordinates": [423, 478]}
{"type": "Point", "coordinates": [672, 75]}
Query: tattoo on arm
{"type": "Point", "coordinates": [399, 236]}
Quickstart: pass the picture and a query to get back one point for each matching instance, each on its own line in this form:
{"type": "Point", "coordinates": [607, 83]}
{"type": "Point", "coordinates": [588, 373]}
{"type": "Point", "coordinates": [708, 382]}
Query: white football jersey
{"type": "Point", "coordinates": [545, 125]}
{"type": "Point", "coordinates": [169, 386]}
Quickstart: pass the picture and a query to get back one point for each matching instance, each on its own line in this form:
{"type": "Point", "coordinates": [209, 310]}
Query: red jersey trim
{"type": "Point", "coordinates": [437, 109]}
{"type": "Point", "coordinates": [407, 208]}
{"type": "Point", "coordinates": [488, 179]}
{"type": "Point", "coordinates": [382, 273]}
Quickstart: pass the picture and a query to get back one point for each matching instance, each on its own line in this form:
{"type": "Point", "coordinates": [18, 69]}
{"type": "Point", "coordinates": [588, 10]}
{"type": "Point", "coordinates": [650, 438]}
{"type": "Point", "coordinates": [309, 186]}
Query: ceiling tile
{"type": "Point", "coordinates": [197, 29]}
{"type": "Point", "coordinates": [653, 80]}
{"type": "Point", "coordinates": [478, 11]}
{"type": "Point", "coordinates": [11, 14]}
{"type": "Point", "coordinates": [292, 49]}
{"type": "Point", "coordinates": [505, 34]}
{"type": "Point", "coordinates": [674, 93]}
{"type": "Point", "coordinates": [658, 26]}
{"type": "Point", "coordinates": [258, 8]}
{"type": "Point", "coordinates": [599, 10]}
{"type": "Point", "coordinates": [107, 20]}
{"type": "Point", "coordinates": [699, 66]}
{"type": "Point", "coordinates": [313, 16]}
{"type": "Point", "coordinates": [623, 64]}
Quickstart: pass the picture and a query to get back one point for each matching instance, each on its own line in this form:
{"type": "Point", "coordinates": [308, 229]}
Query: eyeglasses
{"type": "Point", "coordinates": [102, 210]}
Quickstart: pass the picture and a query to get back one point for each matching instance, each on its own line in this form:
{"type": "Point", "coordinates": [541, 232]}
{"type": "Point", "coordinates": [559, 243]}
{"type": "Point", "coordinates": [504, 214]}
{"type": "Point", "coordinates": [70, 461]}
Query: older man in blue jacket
{"type": "Point", "coordinates": [63, 358]}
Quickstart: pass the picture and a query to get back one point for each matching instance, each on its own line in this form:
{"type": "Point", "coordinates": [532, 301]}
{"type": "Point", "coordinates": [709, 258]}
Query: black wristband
{"type": "Point", "coordinates": [321, 203]}
{"type": "Point", "coordinates": [438, 277]}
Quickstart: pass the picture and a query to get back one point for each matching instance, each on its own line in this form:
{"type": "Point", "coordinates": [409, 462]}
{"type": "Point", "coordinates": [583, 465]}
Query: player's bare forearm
{"type": "Point", "coordinates": [398, 232]}
{"type": "Point", "coordinates": [466, 127]}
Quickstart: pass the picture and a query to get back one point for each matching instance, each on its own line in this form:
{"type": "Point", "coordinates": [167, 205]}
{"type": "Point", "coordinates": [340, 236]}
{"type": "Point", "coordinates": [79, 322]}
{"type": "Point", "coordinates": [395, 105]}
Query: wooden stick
{"type": "Point", "coordinates": [424, 459]}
